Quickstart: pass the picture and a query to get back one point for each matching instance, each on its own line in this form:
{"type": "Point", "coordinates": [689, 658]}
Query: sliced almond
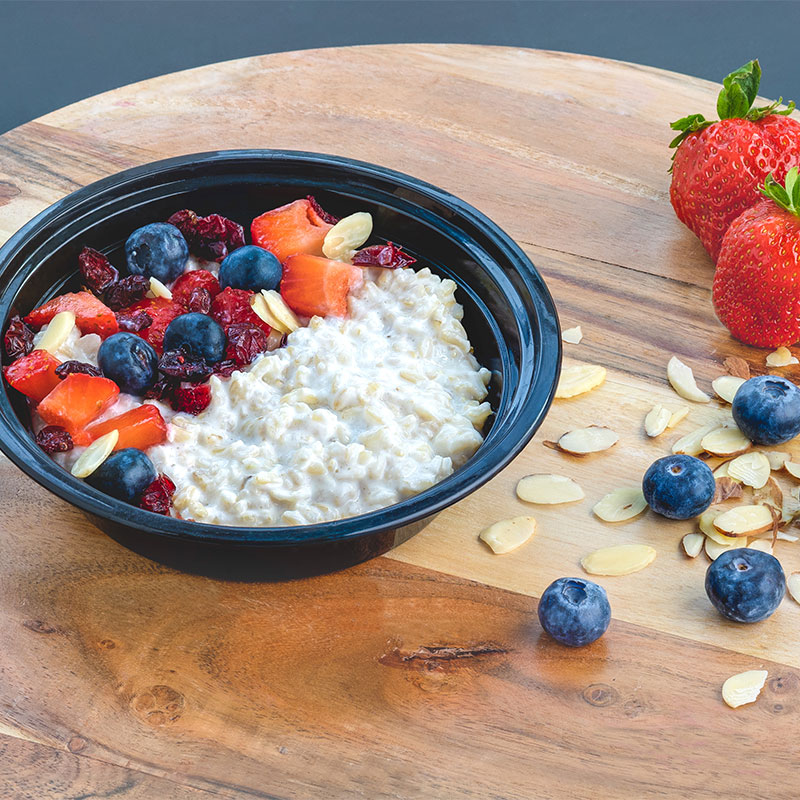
{"type": "Point", "coordinates": [572, 335]}
{"type": "Point", "coordinates": [725, 442]}
{"type": "Point", "coordinates": [790, 509]}
{"type": "Point", "coordinates": [95, 454]}
{"type": "Point", "coordinates": [765, 545]}
{"type": "Point", "coordinates": [743, 688]}
{"type": "Point", "coordinates": [621, 559]}
{"type": "Point", "coordinates": [508, 534]}
{"type": "Point", "coordinates": [620, 505]}
{"type": "Point", "coordinates": [657, 420]}
{"type": "Point", "coordinates": [752, 469]}
{"type": "Point", "coordinates": [726, 387]}
{"type": "Point", "coordinates": [579, 379]}
{"type": "Point", "coordinates": [583, 441]}
{"type": "Point", "coordinates": [793, 469]}
{"type": "Point", "coordinates": [770, 494]}
{"type": "Point", "coordinates": [782, 357]}
{"type": "Point", "coordinates": [744, 521]}
{"type": "Point", "coordinates": [726, 489]}
{"type": "Point", "coordinates": [693, 544]}
{"type": "Point", "coordinates": [737, 366]}
{"type": "Point", "coordinates": [793, 586]}
{"type": "Point", "coordinates": [714, 549]}
{"type": "Point", "coordinates": [157, 289]}
{"type": "Point", "coordinates": [548, 489]}
{"type": "Point", "coordinates": [706, 524]}
{"type": "Point", "coordinates": [678, 415]}
{"type": "Point", "coordinates": [690, 444]}
{"type": "Point", "coordinates": [783, 536]}
{"type": "Point", "coordinates": [722, 470]}
{"type": "Point", "coordinates": [57, 332]}
{"type": "Point", "coordinates": [280, 311]}
{"type": "Point", "coordinates": [776, 459]}
{"type": "Point", "coordinates": [682, 380]}
{"type": "Point", "coordinates": [347, 235]}
{"type": "Point", "coordinates": [261, 310]}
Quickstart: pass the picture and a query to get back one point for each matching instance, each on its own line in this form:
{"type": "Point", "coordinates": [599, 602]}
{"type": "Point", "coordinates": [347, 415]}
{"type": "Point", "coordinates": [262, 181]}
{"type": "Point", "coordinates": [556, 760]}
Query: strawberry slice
{"type": "Point", "coordinates": [34, 374]}
{"type": "Point", "coordinates": [293, 228]}
{"type": "Point", "coordinates": [76, 401]}
{"type": "Point", "coordinates": [162, 312]}
{"type": "Point", "coordinates": [91, 316]}
{"type": "Point", "coordinates": [318, 286]}
{"type": "Point", "coordinates": [141, 427]}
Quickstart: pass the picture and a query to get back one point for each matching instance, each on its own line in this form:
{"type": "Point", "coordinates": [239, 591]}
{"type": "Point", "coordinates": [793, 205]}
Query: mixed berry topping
{"type": "Point", "coordinates": [54, 439]}
{"type": "Point", "coordinates": [18, 339]}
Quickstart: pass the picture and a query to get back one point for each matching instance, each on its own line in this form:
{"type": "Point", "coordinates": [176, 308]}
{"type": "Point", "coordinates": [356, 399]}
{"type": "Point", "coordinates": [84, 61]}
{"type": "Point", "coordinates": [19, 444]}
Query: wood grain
{"type": "Point", "coordinates": [424, 673]}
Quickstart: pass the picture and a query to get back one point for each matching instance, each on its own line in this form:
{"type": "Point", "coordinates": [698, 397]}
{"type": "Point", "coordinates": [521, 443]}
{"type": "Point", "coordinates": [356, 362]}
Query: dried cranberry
{"type": "Point", "coordinates": [245, 342]}
{"type": "Point", "coordinates": [184, 287]}
{"type": "Point", "coordinates": [161, 390]}
{"type": "Point", "coordinates": [199, 301]}
{"type": "Point", "coordinates": [233, 305]}
{"type": "Point", "coordinates": [133, 321]}
{"type": "Point", "coordinates": [18, 340]}
{"type": "Point", "coordinates": [183, 365]}
{"type": "Point", "coordinates": [126, 292]}
{"type": "Point", "coordinates": [388, 255]}
{"type": "Point", "coordinates": [211, 237]}
{"type": "Point", "coordinates": [162, 312]}
{"type": "Point", "coordinates": [191, 397]}
{"type": "Point", "coordinates": [157, 497]}
{"type": "Point", "coordinates": [225, 368]}
{"type": "Point", "coordinates": [69, 367]}
{"type": "Point", "coordinates": [320, 212]}
{"type": "Point", "coordinates": [97, 271]}
{"type": "Point", "coordinates": [54, 439]}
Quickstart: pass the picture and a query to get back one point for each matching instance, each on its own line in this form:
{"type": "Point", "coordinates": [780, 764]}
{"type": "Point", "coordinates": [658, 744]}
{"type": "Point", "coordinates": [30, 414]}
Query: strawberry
{"type": "Point", "coordinates": [196, 279]}
{"type": "Point", "coordinates": [756, 295]}
{"type": "Point", "coordinates": [298, 227]}
{"type": "Point", "coordinates": [141, 427]}
{"type": "Point", "coordinates": [162, 312]}
{"type": "Point", "coordinates": [76, 401]}
{"type": "Point", "coordinates": [318, 286]}
{"type": "Point", "coordinates": [719, 165]}
{"type": "Point", "coordinates": [91, 315]}
{"type": "Point", "coordinates": [34, 374]}
{"type": "Point", "coordinates": [232, 306]}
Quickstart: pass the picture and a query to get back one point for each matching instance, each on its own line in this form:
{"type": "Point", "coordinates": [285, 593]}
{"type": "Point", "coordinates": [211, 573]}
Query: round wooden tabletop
{"type": "Point", "coordinates": [122, 677]}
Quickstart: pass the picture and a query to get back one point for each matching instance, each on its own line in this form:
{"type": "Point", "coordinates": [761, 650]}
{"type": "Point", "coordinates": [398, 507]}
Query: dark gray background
{"type": "Point", "coordinates": [54, 53]}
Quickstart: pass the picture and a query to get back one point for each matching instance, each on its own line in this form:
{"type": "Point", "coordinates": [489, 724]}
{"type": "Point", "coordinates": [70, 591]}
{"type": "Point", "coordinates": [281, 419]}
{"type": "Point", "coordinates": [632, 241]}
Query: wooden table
{"type": "Point", "coordinates": [124, 679]}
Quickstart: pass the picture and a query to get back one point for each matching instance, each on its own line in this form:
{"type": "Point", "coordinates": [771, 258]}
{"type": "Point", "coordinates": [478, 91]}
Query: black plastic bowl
{"type": "Point", "coordinates": [509, 316]}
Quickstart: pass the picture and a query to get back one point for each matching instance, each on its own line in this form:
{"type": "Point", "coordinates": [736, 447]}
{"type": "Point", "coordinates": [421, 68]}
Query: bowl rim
{"type": "Point", "coordinates": [17, 444]}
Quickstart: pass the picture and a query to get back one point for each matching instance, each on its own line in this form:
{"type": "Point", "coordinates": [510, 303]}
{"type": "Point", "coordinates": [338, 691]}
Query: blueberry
{"type": "Point", "coordinates": [129, 361]}
{"type": "Point", "coordinates": [574, 612]}
{"type": "Point", "coordinates": [124, 475]}
{"type": "Point", "coordinates": [745, 585]}
{"type": "Point", "coordinates": [250, 267]}
{"type": "Point", "coordinates": [767, 409]}
{"type": "Point", "coordinates": [197, 333]}
{"type": "Point", "coordinates": [679, 487]}
{"type": "Point", "coordinates": [158, 250]}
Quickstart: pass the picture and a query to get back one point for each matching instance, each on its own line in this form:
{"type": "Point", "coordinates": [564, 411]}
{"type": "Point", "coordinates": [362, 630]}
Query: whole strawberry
{"type": "Point", "coordinates": [757, 282]}
{"type": "Point", "coordinates": [719, 165]}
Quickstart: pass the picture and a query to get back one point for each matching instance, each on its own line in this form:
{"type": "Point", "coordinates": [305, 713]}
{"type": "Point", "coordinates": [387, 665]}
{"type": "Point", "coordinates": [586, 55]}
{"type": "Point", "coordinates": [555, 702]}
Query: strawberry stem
{"type": "Point", "coordinates": [787, 197]}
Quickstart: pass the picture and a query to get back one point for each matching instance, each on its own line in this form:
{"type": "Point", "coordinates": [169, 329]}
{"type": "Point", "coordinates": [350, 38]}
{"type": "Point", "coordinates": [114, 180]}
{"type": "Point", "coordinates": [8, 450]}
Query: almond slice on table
{"type": "Point", "coordinates": [572, 335]}
{"type": "Point", "coordinates": [579, 379]}
{"type": "Point", "coordinates": [782, 357]}
{"type": "Point", "coordinates": [793, 586]}
{"type": "Point", "coordinates": [347, 235]}
{"type": "Point", "coordinates": [726, 387]}
{"type": "Point", "coordinates": [706, 524]}
{"type": "Point", "coordinates": [790, 508]}
{"type": "Point", "coordinates": [765, 545]}
{"type": "Point", "coordinates": [280, 311]}
{"type": "Point", "coordinates": [722, 470]}
{"type": "Point", "coordinates": [752, 469]}
{"type": "Point", "coordinates": [726, 488]}
{"type": "Point", "coordinates": [776, 458]}
{"type": "Point", "coordinates": [693, 544]}
{"type": "Point", "coordinates": [548, 489]}
{"type": "Point", "coordinates": [786, 537]}
{"type": "Point", "coordinates": [737, 366]}
{"type": "Point", "coordinates": [508, 534]}
{"type": "Point", "coordinates": [582, 441]}
{"type": "Point", "coordinates": [678, 415]}
{"type": "Point", "coordinates": [793, 469]}
{"type": "Point", "coordinates": [57, 332]}
{"type": "Point", "coordinates": [690, 445]}
{"type": "Point", "coordinates": [620, 505]}
{"type": "Point", "coordinates": [744, 521]}
{"type": "Point", "coordinates": [95, 454]}
{"type": "Point", "coordinates": [770, 494]}
{"type": "Point", "coordinates": [657, 420]}
{"type": "Point", "coordinates": [682, 380]}
{"type": "Point", "coordinates": [621, 559]}
{"type": "Point", "coordinates": [744, 688]}
{"type": "Point", "coordinates": [157, 289]}
{"type": "Point", "coordinates": [714, 549]}
{"type": "Point", "coordinates": [725, 442]}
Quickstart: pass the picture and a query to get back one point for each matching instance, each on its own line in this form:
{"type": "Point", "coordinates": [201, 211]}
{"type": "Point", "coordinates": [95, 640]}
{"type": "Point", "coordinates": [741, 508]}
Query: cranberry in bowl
{"type": "Point", "coordinates": [286, 358]}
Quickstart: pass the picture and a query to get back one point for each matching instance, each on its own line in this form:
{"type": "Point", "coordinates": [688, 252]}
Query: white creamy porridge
{"type": "Point", "coordinates": [351, 416]}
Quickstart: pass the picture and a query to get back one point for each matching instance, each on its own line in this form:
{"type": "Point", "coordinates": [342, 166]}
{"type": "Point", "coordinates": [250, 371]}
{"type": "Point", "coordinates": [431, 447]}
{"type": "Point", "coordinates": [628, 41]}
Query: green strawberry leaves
{"type": "Point", "coordinates": [787, 197]}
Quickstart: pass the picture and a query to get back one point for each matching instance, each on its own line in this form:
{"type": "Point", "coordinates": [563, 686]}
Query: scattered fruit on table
{"type": "Point", "coordinates": [751, 469]}
{"type": "Point", "coordinates": [767, 409]}
{"type": "Point", "coordinates": [548, 489]}
{"type": "Point", "coordinates": [678, 486]}
{"type": "Point", "coordinates": [572, 335]}
{"type": "Point", "coordinates": [124, 475]}
{"type": "Point", "coordinates": [793, 586]}
{"type": "Point", "coordinates": [744, 688]}
{"type": "Point", "coordinates": [574, 611]}
{"type": "Point", "coordinates": [782, 357]}
{"type": "Point", "coordinates": [755, 291]}
{"type": "Point", "coordinates": [726, 442]}
{"type": "Point", "coordinates": [657, 420]}
{"type": "Point", "coordinates": [683, 382]}
{"type": "Point", "coordinates": [129, 361]}
{"type": "Point", "coordinates": [726, 386]}
{"type": "Point", "coordinates": [252, 268]}
{"type": "Point", "coordinates": [693, 544]}
{"type": "Point", "coordinates": [745, 585]}
{"type": "Point", "coordinates": [620, 559]}
{"type": "Point", "coordinates": [582, 441]}
{"type": "Point", "coordinates": [157, 250]}
{"type": "Point", "coordinates": [197, 334]}
{"type": "Point", "coordinates": [620, 505]}
{"type": "Point", "coordinates": [508, 534]}
{"type": "Point", "coordinates": [579, 379]}
{"type": "Point", "coordinates": [719, 165]}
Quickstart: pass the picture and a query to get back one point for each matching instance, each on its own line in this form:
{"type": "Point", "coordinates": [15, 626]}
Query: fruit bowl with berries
{"type": "Point", "coordinates": [270, 351]}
